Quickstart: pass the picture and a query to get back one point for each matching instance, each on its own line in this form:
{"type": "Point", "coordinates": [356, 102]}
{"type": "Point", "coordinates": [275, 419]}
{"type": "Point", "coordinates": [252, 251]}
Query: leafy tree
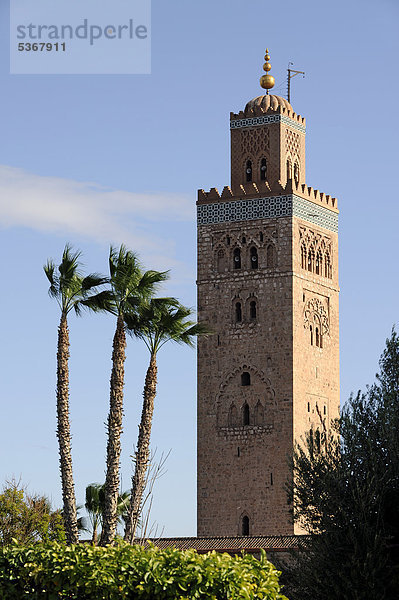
{"type": "Point", "coordinates": [27, 519]}
{"type": "Point", "coordinates": [129, 288]}
{"type": "Point", "coordinates": [72, 291]}
{"type": "Point", "coordinates": [155, 322]}
{"type": "Point", "coordinates": [346, 493]}
{"type": "Point", "coordinates": [95, 507]}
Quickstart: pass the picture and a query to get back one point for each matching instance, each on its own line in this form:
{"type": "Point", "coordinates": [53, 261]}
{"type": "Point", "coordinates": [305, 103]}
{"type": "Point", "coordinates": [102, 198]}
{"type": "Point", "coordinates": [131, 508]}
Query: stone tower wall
{"type": "Point", "coordinates": [270, 370]}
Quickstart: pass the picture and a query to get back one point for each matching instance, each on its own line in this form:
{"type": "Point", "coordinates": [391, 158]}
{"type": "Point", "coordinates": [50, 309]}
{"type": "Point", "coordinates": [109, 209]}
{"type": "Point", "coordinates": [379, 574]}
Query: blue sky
{"type": "Point", "coordinates": [94, 159]}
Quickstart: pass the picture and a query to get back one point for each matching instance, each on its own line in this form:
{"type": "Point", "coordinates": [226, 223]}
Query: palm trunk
{"type": "Point", "coordinates": [64, 434]}
{"type": "Point", "coordinates": [114, 429]}
{"type": "Point", "coordinates": [143, 451]}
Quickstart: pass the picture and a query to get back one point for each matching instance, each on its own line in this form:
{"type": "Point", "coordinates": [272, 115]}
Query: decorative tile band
{"type": "Point", "coordinates": [267, 208]}
{"type": "Point", "coordinates": [253, 121]}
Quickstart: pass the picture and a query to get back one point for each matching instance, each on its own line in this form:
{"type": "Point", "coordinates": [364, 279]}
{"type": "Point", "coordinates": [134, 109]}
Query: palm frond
{"type": "Point", "coordinates": [92, 281]}
{"type": "Point", "coordinates": [49, 269]}
{"type": "Point", "coordinates": [69, 265]}
{"type": "Point", "coordinates": [150, 281]}
{"type": "Point", "coordinates": [101, 302]}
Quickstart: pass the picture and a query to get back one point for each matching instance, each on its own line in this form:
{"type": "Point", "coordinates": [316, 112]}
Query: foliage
{"type": "Point", "coordinates": [53, 570]}
{"type": "Point", "coordinates": [94, 504]}
{"type": "Point", "coordinates": [346, 492]}
{"type": "Point", "coordinates": [27, 519]}
{"type": "Point", "coordinates": [161, 320]}
{"type": "Point", "coordinates": [70, 288]}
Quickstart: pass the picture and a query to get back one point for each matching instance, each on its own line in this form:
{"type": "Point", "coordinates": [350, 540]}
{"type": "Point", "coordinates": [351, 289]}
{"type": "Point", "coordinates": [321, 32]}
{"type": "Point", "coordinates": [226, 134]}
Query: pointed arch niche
{"type": "Point", "coordinates": [246, 400]}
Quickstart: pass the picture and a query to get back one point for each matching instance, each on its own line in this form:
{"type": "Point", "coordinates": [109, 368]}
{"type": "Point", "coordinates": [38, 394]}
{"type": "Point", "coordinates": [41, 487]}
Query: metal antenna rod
{"type": "Point", "coordinates": [291, 74]}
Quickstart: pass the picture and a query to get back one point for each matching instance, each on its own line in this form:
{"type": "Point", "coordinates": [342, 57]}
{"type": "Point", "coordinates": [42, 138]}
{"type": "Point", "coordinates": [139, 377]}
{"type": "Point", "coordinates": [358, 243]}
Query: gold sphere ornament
{"type": "Point", "coordinates": [267, 82]}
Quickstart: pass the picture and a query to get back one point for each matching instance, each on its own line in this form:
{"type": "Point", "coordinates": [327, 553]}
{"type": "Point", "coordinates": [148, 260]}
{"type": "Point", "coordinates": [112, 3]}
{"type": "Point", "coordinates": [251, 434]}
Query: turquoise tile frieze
{"type": "Point", "coordinates": [253, 121]}
{"type": "Point", "coordinates": [267, 208]}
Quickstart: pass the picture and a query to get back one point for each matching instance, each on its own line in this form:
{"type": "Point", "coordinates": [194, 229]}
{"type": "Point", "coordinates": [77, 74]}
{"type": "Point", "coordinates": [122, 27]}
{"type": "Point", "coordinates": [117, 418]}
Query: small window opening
{"type": "Point", "coordinates": [327, 267]}
{"type": "Point", "coordinates": [245, 378]}
{"type": "Point", "coordinates": [228, 240]}
{"type": "Point", "coordinates": [237, 258]}
{"type": "Point", "coordinates": [238, 451]}
{"type": "Point", "coordinates": [263, 169]}
{"type": "Point", "coordinates": [317, 337]}
{"type": "Point", "coordinates": [261, 236]}
{"type": "Point", "coordinates": [238, 311]}
{"type": "Point", "coordinates": [325, 409]}
{"type": "Point", "coordinates": [310, 260]}
{"type": "Point", "coordinates": [303, 297]}
{"type": "Point", "coordinates": [289, 171]}
{"type": "Point", "coordinates": [245, 525]}
{"type": "Point", "coordinates": [248, 171]}
{"type": "Point", "coordinates": [218, 340]}
{"type": "Point", "coordinates": [319, 264]}
{"type": "Point", "coordinates": [309, 407]}
{"type": "Point", "coordinates": [303, 256]}
{"type": "Point", "coordinates": [311, 335]}
{"type": "Point", "coordinates": [252, 309]}
{"type": "Point", "coordinates": [271, 478]}
{"type": "Point", "coordinates": [296, 173]}
{"type": "Point", "coordinates": [245, 415]}
{"type": "Point", "coordinates": [221, 261]}
{"type": "Point", "coordinates": [254, 258]}
{"type": "Point", "coordinates": [244, 239]}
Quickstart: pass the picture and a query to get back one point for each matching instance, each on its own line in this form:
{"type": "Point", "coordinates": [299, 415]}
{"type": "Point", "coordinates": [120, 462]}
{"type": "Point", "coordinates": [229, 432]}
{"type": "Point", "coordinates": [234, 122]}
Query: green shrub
{"type": "Point", "coordinates": [53, 570]}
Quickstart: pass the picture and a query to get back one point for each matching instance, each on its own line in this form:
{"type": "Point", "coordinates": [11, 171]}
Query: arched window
{"type": "Point", "coordinates": [228, 240]}
{"type": "Point", "coordinates": [252, 310]}
{"type": "Point", "coordinates": [245, 378]}
{"type": "Point", "coordinates": [244, 239]}
{"type": "Point", "coordinates": [245, 525]}
{"type": "Point", "coordinates": [221, 261]}
{"type": "Point", "coordinates": [233, 415]}
{"type": "Point", "coordinates": [327, 266]}
{"type": "Point", "coordinates": [254, 258]}
{"type": "Point", "coordinates": [245, 414]}
{"type": "Point", "coordinates": [319, 263]}
{"type": "Point", "coordinates": [303, 256]}
{"type": "Point", "coordinates": [289, 170]}
{"type": "Point", "coordinates": [259, 413]}
{"type": "Point", "coordinates": [317, 337]}
{"type": "Point", "coordinates": [263, 169]}
{"type": "Point", "coordinates": [248, 171]}
{"type": "Point", "coordinates": [311, 335]}
{"type": "Point", "coordinates": [296, 173]}
{"type": "Point", "coordinates": [310, 260]}
{"type": "Point", "coordinates": [237, 258]}
{"type": "Point", "coordinates": [270, 256]}
{"type": "Point", "coordinates": [261, 236]}
{"type": "Point", "coordinates": [238, 312]}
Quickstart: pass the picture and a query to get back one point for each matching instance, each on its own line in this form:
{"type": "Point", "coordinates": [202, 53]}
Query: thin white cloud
{"type": "Point", "coordinates": [56, 205]}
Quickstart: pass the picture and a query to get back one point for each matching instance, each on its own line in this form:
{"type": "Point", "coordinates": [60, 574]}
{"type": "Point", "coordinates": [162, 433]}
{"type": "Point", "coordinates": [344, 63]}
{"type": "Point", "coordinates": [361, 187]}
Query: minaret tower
{"type": "Point", "coordinates": [268, 287]}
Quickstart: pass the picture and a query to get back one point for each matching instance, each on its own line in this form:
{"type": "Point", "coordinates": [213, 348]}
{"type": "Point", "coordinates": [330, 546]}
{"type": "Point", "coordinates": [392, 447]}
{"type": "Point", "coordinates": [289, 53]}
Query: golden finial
{"type": "Point", "coordinates": [267, 81]}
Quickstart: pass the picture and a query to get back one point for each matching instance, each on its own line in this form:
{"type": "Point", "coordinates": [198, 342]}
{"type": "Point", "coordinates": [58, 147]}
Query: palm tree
{"type": "Point", "coordinates": [156, 322]}
{"type": "Point", "coordinates": [72, 291]}
{"type": "Point", "coordinates": [95, 507]}
{"type": "Point", "coordinates": [129, 288]}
